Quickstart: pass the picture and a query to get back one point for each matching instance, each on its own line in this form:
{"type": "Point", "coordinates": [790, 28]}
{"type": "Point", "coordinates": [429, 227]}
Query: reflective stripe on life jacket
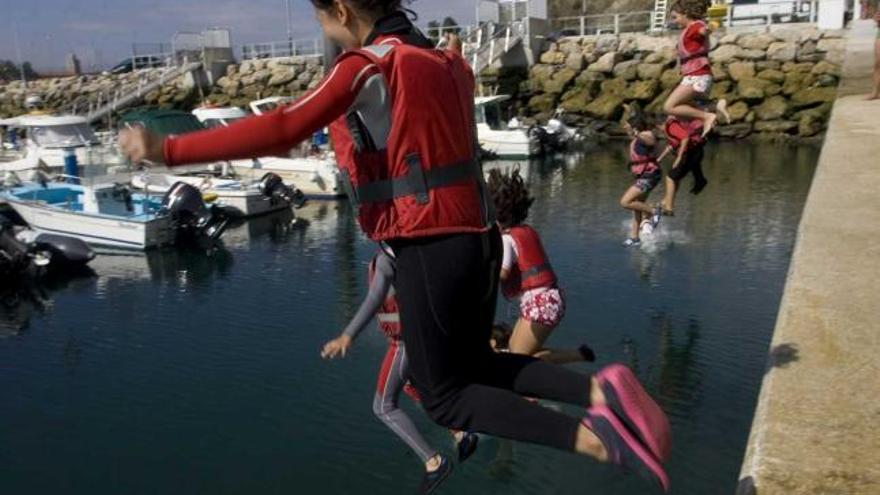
{"type": "Point", "coordinates": [388, 315]}
{"type": "Point", "coordinates": [532, 269]}
{"type": "Point", "coordinates": [692, 62]}
{"type": "Point", "coordinates": [408, 159]}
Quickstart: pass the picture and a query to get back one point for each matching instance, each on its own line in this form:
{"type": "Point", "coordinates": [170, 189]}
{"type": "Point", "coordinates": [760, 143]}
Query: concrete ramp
{"type": "Point", "coordinates": [817, 425]}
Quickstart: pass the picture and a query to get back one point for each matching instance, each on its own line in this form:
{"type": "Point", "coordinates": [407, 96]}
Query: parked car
{"type": "Point", "coordinates": [143, 62]}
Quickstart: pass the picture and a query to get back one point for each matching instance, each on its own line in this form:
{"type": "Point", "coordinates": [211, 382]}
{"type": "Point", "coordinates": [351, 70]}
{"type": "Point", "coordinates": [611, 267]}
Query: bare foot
{"type": "Point", "coordinates": [873, 96]}
{"type": "Point", "coordinates": [709, 122]}
{"type": "Point", "coordinates": [722, 109]}
{"type": "Point", "coordinates": [597, 397]}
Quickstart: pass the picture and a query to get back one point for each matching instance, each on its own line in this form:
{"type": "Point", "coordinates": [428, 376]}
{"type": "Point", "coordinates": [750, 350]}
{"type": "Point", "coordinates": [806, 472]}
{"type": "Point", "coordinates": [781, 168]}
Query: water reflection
{"type": "Point", "coordinates": [22, 299]}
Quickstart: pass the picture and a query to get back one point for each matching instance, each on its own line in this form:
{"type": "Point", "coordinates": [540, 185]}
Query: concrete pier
{"type": "Point", "coordinates": [817, 425]}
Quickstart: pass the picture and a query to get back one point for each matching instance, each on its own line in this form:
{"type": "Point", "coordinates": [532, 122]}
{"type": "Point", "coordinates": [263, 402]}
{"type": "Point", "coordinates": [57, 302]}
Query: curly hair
{"type": "Point", "coordinates": [637, 118]}
{"type": "Point", "coordinates": [510, 196]}
{"type": "Point", "coordinates": [693, 9]}
{"type": "Point", "coordinates": [374, 7]}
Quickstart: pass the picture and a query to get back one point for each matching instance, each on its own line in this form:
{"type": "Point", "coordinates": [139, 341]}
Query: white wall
{"type": "Point", "coordinates": [831, 14]}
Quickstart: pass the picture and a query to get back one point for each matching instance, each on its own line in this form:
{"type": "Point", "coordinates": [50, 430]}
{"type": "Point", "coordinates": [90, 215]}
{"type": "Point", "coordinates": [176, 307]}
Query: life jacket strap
{"type": "Point", "coordinates": [417, 182]}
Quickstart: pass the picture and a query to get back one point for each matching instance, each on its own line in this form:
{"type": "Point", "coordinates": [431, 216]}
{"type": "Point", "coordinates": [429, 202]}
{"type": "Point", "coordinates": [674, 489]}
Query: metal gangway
{"type": "Point", "coordinates": [658, 17]}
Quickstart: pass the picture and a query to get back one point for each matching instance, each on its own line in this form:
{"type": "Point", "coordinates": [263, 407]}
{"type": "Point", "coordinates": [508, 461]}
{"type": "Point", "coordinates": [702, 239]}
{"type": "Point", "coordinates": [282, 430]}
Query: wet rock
{"type": "Point", "coordinates": [776, 76]}
{"type": "Point", "coordinates": [576, 102]}
{"type": "Point", "coordinates": [824, 67]}
{"type": "Point", "coordinates": [768, 65]}
{"type": "Point", "coordinates": [776, 126]}
{"type": "Point", "coordinates": [797, 67]}
{"type": "Point", "coordinates": [606, 63]}
{"type": "Point", "coordinates": [738, 111]}
{"type": "Point", "coordinates": [614, 86]}
{"type": "Point", "coordinates": [670, 78]}
{"type": "Point", "coordinates": [813, 96]}
{"type": "Point", "coordinates": [720, 90]}
{"type": "Point", "coordinates": [656, 106]}
{"type": "Point", "coordinates": [542, 103]}
{"type": "Point", "coordinates": [735, 131]}
{"type": "Point", "coordinates": [575, 61]}
{"type": "Point", "coordinates": [810, 125]}
{"type": "Point", "coordinates": [752, 89]}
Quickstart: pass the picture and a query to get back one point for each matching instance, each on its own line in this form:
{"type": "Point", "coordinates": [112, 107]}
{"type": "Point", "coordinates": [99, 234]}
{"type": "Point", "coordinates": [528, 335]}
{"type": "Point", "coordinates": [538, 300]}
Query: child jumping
{"type": "Point", "coordinates": [402, 119]}
{"type": "Point", "coordinates": [696, 70]}
{"type": "Point", "coordinates": [685, 139]}
{"type": "Point", "coordinates": [645, 168]}
{"type": "Point", "coordinates": [525, 269]}
{"type": "Point", "coordinates": [381, 301]}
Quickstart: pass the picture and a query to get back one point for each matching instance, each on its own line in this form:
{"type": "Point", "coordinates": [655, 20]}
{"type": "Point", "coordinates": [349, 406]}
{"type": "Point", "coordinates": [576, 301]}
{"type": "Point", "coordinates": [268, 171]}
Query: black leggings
{"type": "Point", "coordinates": [446, 289]}
{"type": "Point", "coordinates": [691, 162]}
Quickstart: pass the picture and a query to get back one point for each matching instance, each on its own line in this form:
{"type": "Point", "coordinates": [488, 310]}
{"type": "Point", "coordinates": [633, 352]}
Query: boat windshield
{"type": "Point", "coordinates": [268, 106]}
{"type": "Point", "coordinates": [63, 136]}
{"type": "Point", "coordinates": [490, 114]}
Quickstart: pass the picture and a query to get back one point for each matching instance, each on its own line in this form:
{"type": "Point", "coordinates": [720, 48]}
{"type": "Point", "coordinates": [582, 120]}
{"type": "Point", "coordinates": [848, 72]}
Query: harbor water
{"type": "Point", "coordinates": [185, 372]}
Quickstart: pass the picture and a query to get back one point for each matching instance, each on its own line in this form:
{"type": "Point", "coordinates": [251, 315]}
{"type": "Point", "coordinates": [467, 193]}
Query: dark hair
{"type": "Point", "coordinates": [501, 335]}
{"type": "Point", "coordinates": [374, 7]}
{"type": "Point", "coordinates": [693, 9]}
{"type": "Point", "coordinates": [637, 119]}
{"type": "Point", "coordinates": [510, 196]}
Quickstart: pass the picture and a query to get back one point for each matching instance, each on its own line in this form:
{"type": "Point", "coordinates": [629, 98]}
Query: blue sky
{"type": "Point", "coordinates": [102, 31]}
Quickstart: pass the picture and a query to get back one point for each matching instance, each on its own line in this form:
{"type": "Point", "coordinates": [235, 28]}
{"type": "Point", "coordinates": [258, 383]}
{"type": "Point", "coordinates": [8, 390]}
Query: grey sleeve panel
{"type": "Point", "coordinates": [375, 297]}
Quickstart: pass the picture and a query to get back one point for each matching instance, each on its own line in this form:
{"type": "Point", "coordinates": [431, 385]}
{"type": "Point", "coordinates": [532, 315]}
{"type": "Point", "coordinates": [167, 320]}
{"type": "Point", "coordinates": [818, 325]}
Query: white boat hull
{"type": "Point", "coordinates": [507, 144]}
{"type": "Point", "coordinates": [239, 202]}
{"type": "Point", "coordinates": [317, 178]}
{"type": "Point", "coordinates": [96, 229]}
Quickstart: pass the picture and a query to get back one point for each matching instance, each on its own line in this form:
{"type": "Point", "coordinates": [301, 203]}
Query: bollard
{"type": "Point", "coordinates": [71, 167]}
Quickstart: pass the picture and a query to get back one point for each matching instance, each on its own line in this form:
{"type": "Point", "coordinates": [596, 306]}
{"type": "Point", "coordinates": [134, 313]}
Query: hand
{"type": "Point", "coordinates": [141, 145]}
{"type": "Point", "coordinates": [453, 42]}
{"type": "Point", "coordinates": [335, 347]}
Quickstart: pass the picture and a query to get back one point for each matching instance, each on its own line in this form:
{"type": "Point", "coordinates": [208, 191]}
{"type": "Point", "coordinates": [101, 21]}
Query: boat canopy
{"type": "Point", "coordinates": [213, 117]}
{"type": "Point", "coordinates": [486, 100]}
{"type": "Point", "coordinates": [54, 131]}
{"type": "Point", "coordinates": [162, 121]}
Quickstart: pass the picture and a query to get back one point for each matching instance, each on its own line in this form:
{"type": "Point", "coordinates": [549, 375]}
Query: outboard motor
{"type": "Point", "coordinates": [18, 251]}
{"type": "Point", "coordinates": [66, 252]}
{"type": "Point", "coordinates": [13, 253]}
{"type": "Point", "coordinates": [184, 204]}
{"type": "Point", "coordinates": [273, 187]}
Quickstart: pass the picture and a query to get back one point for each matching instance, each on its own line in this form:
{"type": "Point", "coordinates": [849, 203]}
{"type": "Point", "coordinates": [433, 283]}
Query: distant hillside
{"type": "Point", "coordinates": [566, 8]}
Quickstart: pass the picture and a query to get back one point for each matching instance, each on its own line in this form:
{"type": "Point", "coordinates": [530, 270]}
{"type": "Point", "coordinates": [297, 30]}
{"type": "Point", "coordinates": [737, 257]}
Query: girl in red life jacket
{"type": "Point", "coordinates": [525, 269]}
{"type": "Point", "coordinates": [685, 139]}
{"type": "Point", "coordinates": [381, 302]}
{"type": "Point", "coordinates": [644, 167]}
{"type": "Point", "coordinates": [403, 116]}
{"type": "Point", "coordinates": [696, 70]}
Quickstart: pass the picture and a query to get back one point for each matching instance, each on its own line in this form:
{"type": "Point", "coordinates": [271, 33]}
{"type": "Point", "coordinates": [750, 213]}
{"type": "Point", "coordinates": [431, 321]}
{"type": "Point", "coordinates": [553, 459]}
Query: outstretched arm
{"type": "Point", "coordinates": [271, 134]}
{"type": "Point", "coordinates": [376, 295]}
{"type": "Point", "coordinates": [682, 149]}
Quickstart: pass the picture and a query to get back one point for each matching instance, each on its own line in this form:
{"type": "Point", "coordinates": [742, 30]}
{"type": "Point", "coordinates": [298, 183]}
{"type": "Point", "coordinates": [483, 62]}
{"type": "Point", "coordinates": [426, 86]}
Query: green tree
{"type": "Point", "coordinates": [9, 71]}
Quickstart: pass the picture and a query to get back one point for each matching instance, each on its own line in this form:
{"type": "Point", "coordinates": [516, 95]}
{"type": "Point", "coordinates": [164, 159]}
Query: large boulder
{"type": "Point", "coordinates": [656, 106]}
{"type": "Point", "coordinates": [615, 86]}
{"type": "Point", "coordinates": [575, 61]}
{"type": "Point", "coordinates": [721, 89]}
{"type": "Point", "coordinates": [773, 108]}
{"type": "Point", "coordinates": [281, 78]}
{"type": "Point", "coordinates": [590, 81]}
{"type": "Point", "coordinates": [729, 39]}
{"type": "Point", "coordinates": [642, 90]}
{"type": "Point", "coordinates": [810, 124]}
{"type": "Point", "coordinates": [650, 71]}
{"type": "Point", "coordinates": [719, 73]}
{"type": "Point", "coordinates": [738, 111]}
{"type": "Point", "coordinates": [627, 70]}
{"type": "Point", "coordinates": [576, 102]}
{"type": "Point", "coordinates": [753, 89]}
{"type": "Point", "coordinates": [754, 55]}
{"type": "Point", "coordinates": [776, 126]}
{"type": "Point", "coordinates": [735, 131]}
{"type": "Point", "coordinates": [813, 96]}
{"type": "Point", "coordinates": [606, 43]}
{"type": "Point", "coordinates": [539, 75]}
{"type": "Point", "coordinates": [756, 41]}
{"type": "Point", "coordinates": [831, 45]}
{"type": "Point", "coordinates": [776, 76]}
{"type": "Point", "coordinates": [569, 47]}
{"type": "Point", "coordinates": [560, 81]}
{"type": "Point", "coordinates": [797, 67]}
{"type": "Point", "coordinates": [606, 63]}
{"type": "Point", "coordinates": [553, 58]}
{"type": "Point", "coordinates": [826, 80]}
{"type": "Point", "coordinates": [670, 78]}
{"type": "Point", "coordinates": [605, 107]}
{"type": "Point", "coordinates": [726, 53]}
{"type": "Point", "coordinates": [782, 51]}
{"type": "Point", "coordinates": [825, 67]}
{"type": "Point", "coordinates": [741, 70]}
{"type": "Point", "coordinates": [542, 103]}
{"type": "Point", "coordinates": [768, 65]}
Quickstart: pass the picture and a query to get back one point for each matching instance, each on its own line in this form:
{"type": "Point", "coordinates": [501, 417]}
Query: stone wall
{"type": "Point", "coordinates": [777, 83]}
{"type": "Point", "coordinates": [250, 80]}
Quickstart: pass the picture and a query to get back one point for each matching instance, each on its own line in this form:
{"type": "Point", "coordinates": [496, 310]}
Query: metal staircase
{"type": "Point", "coordinates": [486, 45]}
{"type": "Point", "coordinates": [658, 18]}
{"type": "Point", "coordinates": [112, 101]}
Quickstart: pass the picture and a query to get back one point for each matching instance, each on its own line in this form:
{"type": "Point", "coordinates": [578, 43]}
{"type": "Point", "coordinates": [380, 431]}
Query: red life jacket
{"type": "Point", "coordinates": [388, 315]}
{"type": "Point", "coordinates": [693, 62]}
{"type": "Point", "coordinates": [677, 130]}
{"type": "Point", "coordinates": [407, 146]}
{"type": "Point", "coordinates": [640, 164]}
{"type": "Point", "coordinates": [532, 269]}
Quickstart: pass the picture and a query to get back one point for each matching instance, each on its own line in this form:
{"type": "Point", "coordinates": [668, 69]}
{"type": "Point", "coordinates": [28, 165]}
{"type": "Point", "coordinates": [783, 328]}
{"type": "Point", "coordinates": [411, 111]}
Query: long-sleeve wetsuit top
{"type": "Point", "coordinates": [276, 132]}
{"type": "Point", "coordinates": [378, 291]}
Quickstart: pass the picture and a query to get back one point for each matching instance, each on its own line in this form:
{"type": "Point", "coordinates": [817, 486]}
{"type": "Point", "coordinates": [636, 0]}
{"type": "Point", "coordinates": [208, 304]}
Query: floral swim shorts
{"type": "Point", "coordinates": [701, 84]}
{"type": "Point", "coordinates": [545, 306]}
